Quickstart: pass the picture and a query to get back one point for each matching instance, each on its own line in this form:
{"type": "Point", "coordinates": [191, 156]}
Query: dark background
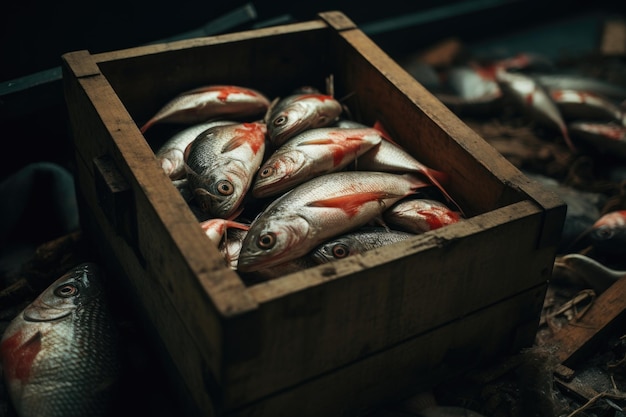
{"type": "Point", "coordinates": [36, 33]}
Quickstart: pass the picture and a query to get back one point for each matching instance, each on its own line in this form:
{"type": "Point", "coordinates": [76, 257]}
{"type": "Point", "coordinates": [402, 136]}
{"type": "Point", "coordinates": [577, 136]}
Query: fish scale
{"type": "Point", "coordinates": [60, 354]}
{"type": "Point", "coordinates": [224, 156]}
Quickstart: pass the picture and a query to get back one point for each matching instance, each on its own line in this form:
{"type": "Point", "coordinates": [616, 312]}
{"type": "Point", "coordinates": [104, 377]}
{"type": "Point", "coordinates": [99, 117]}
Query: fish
{"type": "Point", "coordinates": [311, 153]}
{"type": "Point", "coordinates": [388, 156]}
{"type": "Point", "coordinates": [296, 113]}
{"type": "Point", "coordinates": [472, 83]}
{"type": "Point", "coordinates": [583, 209]}
{"type": "Point", "coordinates": [60, 355]}
{"type": "Point", "coordinates": [532, 99]}
{"type": "Point", "coordinates": [607, 138]}
{"type": "Point", "coordinates": [171, 154]}
{"type": "Point", "coordinates": [608, 233]}
{"type": "Point", "coordinates": [203, 103]}
{"type": "Point", "coordinates": [588, 270]}
{"type": "Point", "coordinates": [221, 165]}
{"type": "Point", "coordinates": [230, 245]}
{"type": "Point", "coordinates": [419, 215]}
{"type": "Point", "coordinates": [585, 105]}
{"type": "Point", "coordinates": [216, 228]}
{"type": "Point", "coordinates": [316, 210]}
{"type": "Point", "coordinates": [356, 242]}
{"type": "Point", "coordinates": [580, 82]}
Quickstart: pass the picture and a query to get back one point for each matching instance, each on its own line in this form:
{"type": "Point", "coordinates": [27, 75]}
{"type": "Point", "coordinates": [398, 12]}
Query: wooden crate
{"type": "Point", "coordinates": [337, 338]}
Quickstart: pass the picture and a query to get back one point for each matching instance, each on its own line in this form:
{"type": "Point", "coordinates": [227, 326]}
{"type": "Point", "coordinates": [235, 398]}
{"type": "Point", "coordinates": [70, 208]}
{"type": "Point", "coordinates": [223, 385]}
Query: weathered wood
{"type": "Point", "coordinates": [245, 350]}
{"type": "Point", "coordinates": [578, 338]}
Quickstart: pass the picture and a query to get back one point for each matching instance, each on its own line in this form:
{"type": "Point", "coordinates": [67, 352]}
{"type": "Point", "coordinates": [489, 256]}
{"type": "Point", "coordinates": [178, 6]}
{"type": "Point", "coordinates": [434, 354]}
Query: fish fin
{"type": "Point", "coordinates": [148, 124]}
{"type": "Point", "coordinates": [384, 133]}
{"type": "Point", "coordinates": [234, 143]}
{"type": "Point", "coordinates": [351, 203]}
{"type": "Point", "coordinates": [380, 221]}
{"type": "Point", "coordinates": [434, 176]}
{"type": "Point", "coordinates": [237, 225]}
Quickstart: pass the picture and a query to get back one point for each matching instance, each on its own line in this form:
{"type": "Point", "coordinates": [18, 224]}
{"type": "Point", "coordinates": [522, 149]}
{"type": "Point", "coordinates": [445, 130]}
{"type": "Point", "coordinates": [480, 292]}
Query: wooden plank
{"type": "Point", "coordinates": [408, 367]}
{"type": "Point", "coordinates": [578, 339]}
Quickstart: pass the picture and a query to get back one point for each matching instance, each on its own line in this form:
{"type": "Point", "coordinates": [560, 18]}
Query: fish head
{"type": "Point", "coordinates": [608, 234]}
{"type": "Point", "coordinates": [220, 191]}
{"type": "Point", "coordinates": [300, 112]}
{"type": "Point", "coordinates": [333, 250]}
{"type": "Point", "coordinates": [71, 291]}
{"type": "Point", "coordinates": [272, 241]}
{"type": "Point", "coordinates": [280, 173]}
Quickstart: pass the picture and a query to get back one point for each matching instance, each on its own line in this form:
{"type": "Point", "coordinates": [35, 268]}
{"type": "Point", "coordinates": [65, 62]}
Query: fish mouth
{"type": "Point", "coordinates": [212, 203]}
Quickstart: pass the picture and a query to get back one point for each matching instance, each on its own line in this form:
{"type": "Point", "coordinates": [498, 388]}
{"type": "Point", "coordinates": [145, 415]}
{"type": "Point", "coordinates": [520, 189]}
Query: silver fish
{"type": "Point", "coordinates": [388, 156]}
{"type": "Point", "coordinates": [608, 233]}
{"type": "Point", "coordinates": [356, 242]}
{"type": "Point", "coordinates": [317, 210]}
{"type": "Point", "coordinates": [607, 138]}
{"type": "Point", "coordinates": [171, 154]}
{"type": "Point", "coordinates": [298, 112]}
{"type": "Point", "coordinates": [207, 102]}
{"type": "Point", "coordinates": [60, 355]}
{"type": "Point", "coordinates": [593, 273]}
{"type": "Point", "coordinates": [587, 106]}
{"type": "Point", "coordinates": [578, 82]}
{"type": "Point", "coordinates": [534, 100]}
{"type": "Point", "coordinates": [419, 215]}
{"type": "Point", "coordinates": [312, 153]}
{"type": "Point", "coordinates": [221, 164]}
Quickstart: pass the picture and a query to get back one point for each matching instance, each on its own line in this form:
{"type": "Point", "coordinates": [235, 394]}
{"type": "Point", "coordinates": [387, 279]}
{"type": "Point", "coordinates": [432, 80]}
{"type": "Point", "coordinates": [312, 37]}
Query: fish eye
{"type": "Point", "coordinates": [340, 251]}
{"type": "Point", "coordinates": [323, 119]}
{"type": "Point", "coordinates": [225, 187]}
{"type": "Point", "coordinates": [267, 172]}
{"type": "Point", "coordinates": [280, 120]}
{"type": "Point", "coordinates": [604, 233]}
{"type": "Point", "coordinates": [266, 241]}
{"type": "Point", "coordinates": [66, 291]}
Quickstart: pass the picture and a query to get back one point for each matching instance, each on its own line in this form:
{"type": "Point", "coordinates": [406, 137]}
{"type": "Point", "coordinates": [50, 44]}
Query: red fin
{"type": "Point", "coordinates": [235, 143]}
{"type": "Point", "coordinates": [147, 125]}
{"type": "Point", "coordinates": [383, 132]}
{"type": "Point", "coordinates": [352, 203]}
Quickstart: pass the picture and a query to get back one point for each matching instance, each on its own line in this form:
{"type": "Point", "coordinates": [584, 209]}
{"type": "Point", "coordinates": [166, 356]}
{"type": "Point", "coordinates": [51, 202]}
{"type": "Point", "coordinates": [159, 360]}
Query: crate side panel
{"type": "Point", "coordinates": [388, 296]}
{"type": "Point", "coordinates": [171, 276]}
{"type": "Point", "coordinates": [183, 352]}
{"type": "Point", "coordinates": [422, 124]}
{"type": "Point", "coordinates": [275, 65]}
{"type": "Point", "coordinates": [412, 366]}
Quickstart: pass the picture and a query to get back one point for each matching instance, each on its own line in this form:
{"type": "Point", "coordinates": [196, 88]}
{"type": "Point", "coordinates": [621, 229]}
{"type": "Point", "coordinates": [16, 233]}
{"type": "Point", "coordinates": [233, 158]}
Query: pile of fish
{"type": "Point", "coordinates": [290, 183]}
{"type": "Point", "coordinates": [587, 112]}
{"type": "Point", "coordinates": [563, 106]}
